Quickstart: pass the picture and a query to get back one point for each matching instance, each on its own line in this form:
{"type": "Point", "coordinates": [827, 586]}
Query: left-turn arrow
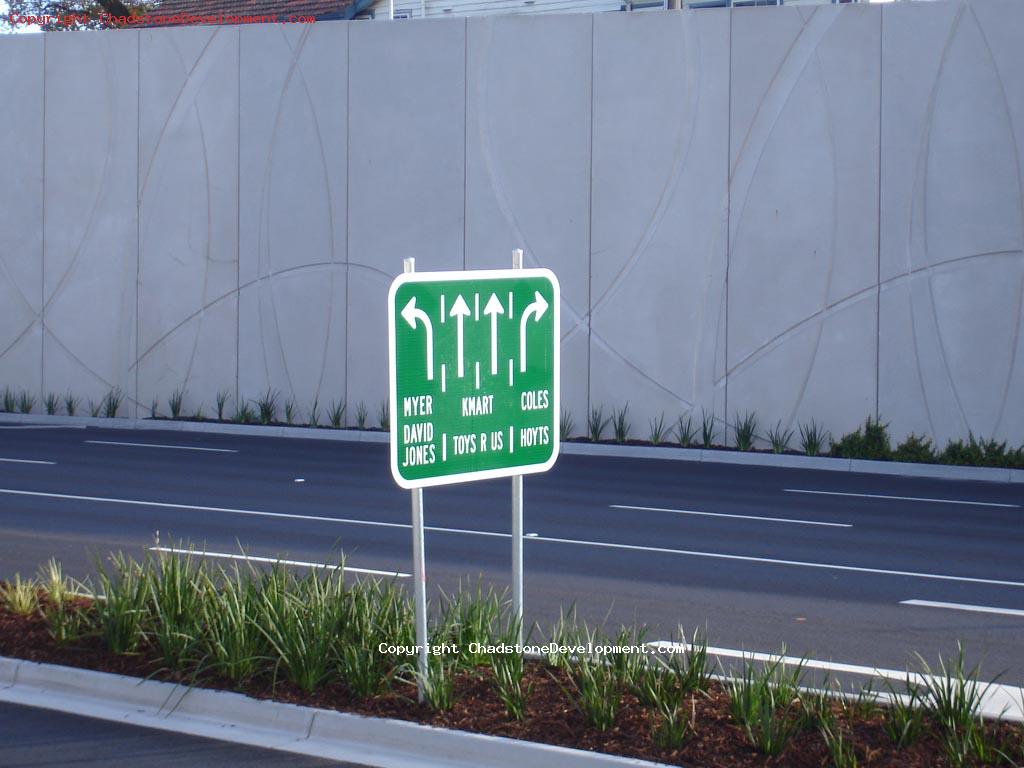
{"type": "Point", "coordinates": [411, 314]}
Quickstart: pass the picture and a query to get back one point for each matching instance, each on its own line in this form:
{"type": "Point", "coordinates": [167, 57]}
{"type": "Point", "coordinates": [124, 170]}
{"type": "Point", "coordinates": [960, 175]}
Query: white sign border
{"type": "Point", "coordinates": [466, 275]}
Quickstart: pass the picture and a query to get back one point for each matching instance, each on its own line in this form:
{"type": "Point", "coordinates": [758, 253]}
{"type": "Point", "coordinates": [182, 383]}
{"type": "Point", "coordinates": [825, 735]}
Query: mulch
{"type": "Point", "coordinates": [551, 717]}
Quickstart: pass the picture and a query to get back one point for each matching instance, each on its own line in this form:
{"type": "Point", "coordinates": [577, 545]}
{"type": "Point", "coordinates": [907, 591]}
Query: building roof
{"type": "Point", "coordinates": [187, 12]}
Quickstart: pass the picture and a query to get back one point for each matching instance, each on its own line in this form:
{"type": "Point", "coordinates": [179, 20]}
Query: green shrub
{"type": "Point", "coordinates": [812, 438]}
{"type": "Point", "coordinates": [70, 404]}
{"type": "Point", "coordinates": [21, 596]}
{"type": "Point", "coordinates": [761, 701]}
{"type": "Point", "coordinates": [915, 448]}
{"type": "Point", "coordinates": [26, 402]}
{"type": "Point", "coordinates": [871, 442]}
{"type": "Point", "coordinates": [121, 610]}
{"type": "Point", "coordinates": [52, 403]}
{"type": "Point", "coordinates": [112, 402]}
{"type": "Point", "coordinates": [361, 416]}
{"type": "Point", "coordinates": [336, 414]}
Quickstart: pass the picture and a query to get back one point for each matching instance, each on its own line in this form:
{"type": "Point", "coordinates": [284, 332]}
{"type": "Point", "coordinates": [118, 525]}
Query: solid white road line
{"type": "Point", "coordinates": [43, 426]}
{"type": "Point", "coordinates": [902, 498]}
{"type": "Point", "coordinates": [154, 445]}
{"type": "Point", "coordinates": [255, 559]}
{"type": "Point", "coordinates": [550, 539]}
{"type": "Point", "coordinates": [964, 607]}
{"type": "Point", "coordinates": [723, 514]}
{"type": "Point", "coordinates": [250, 512]}
{"type": "Point", "coordinates": [1003, 701]}
{"type": "Point", "coordinates": [28, 461]}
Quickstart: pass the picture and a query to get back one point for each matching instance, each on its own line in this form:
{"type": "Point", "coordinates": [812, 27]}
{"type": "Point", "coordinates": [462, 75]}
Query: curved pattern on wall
{"type": "Point", "coordinates": [802, 212]}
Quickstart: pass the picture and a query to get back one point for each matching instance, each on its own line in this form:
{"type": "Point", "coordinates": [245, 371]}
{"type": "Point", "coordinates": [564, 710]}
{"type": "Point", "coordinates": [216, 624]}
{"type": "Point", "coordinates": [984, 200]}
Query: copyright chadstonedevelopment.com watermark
{"type": "Point", "coordinates": [544, 649]}
{"type": "Point", "coordinates": [154, 19]}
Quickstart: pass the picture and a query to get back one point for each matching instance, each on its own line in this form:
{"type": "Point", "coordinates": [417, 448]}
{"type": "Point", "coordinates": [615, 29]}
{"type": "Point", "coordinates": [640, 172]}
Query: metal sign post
{"type": "Point", "coordinates": [517, 517]}
{"type": "Point", "coordinates": [474, 392]}
{"type": "Point", "coordinates": [419, 566]}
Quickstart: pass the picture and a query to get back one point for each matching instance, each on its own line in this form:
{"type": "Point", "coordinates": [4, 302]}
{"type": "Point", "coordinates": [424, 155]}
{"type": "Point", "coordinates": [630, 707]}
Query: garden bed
{"type": "Point", "coordinates": [315, 640]}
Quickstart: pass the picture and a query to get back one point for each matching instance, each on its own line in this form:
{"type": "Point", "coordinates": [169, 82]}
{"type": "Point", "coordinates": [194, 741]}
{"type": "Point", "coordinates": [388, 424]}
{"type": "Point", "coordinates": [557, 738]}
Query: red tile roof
{"type": "Point", "coordinates": [186, 12]}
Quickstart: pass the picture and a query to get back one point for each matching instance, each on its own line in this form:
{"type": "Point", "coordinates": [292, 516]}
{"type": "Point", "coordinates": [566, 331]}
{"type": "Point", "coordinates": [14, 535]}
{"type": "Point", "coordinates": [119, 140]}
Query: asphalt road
{"type": "Point", "coordinates": [820, 562]}
{"type": "Point", "coordinates": [39, 737]}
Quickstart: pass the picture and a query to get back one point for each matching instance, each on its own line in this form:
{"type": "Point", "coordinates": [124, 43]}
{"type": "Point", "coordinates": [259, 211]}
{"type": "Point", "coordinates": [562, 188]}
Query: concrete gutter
{"type": "Point", "coordinates": [903, 469]}
{"type": "Point", "coordinates": [368, 741]}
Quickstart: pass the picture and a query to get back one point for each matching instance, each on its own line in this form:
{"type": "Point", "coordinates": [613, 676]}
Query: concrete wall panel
{"type": "Point", "coordinates": [188, 193]}
{"type": "Point", "coordinates": [528, 164]}
{"type": "Point", "coordinates": [659, 202]}
{"type": "Point", "coordinates": [952, 263]}
{"type": "Point", "coordinates": [21, 216]}
{"type": "Point", "coordinates": [407, 85]}
{"type": "Point", "coordinates": [293, 257]}
{"type": "Point", "coordinates": [91, 224]}
{"type": "Point", "coordinates": [804, 212]}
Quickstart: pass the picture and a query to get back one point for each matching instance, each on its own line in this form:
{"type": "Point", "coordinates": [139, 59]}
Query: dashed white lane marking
{"type": "Point", "coordinates": [299, 563]}
{"type": "Point", "coordinates": [549, 539]}
{"type": "Point", "coordinates": [28, 461]}
{"type": "Point", "coordinates": [964, 607]}
{"type": "Point", "coordinates": [776, 561]}
{"type": "Point", "coordinates": [902, 498]}
{"type": "Point", "coordinates": [738, 517]}
{"type": "Point", "coordinates": [300, 479]}
{"type": "Point", "coordinates": [156, 445]}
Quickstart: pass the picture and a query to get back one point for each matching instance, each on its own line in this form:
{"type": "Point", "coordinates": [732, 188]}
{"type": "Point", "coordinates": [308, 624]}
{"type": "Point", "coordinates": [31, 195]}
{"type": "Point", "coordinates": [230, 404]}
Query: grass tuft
{"type": "Point", "coordinates": [745, 428]}
{"type": "Point", "coordinates": [384, 414]}
{"type": "Point", "coordinates": [21, 596]}
{"type": "Point", "coordinates": [266, 405]}
{"type": "Point", "coordinates": [566, 425]}
{"type": "Point", "coordinates": [812, 438]}
{"type": "Point", "coordinates": [336, 414]}
{"type": "Point", "coordinates": [26, 401]}
{"type": "Point", "coordinates": [596, 423]}
{"type": "Point", "coordinates": [290, 410]}
{"type": "Point", "coordinates": [658, 430]}
{"type": "Point", "coordinates": [51, 403]}
{"type": "Point", "coordinates": [112, 402]}
{"type": "Point", "coordinates": [222, 401]}
{"type": "Point", "coordinates": [70, 403]}
{"type": "Point", "coordinates": [175, 402]}
{"type": "Point", "coordinates": [779, 438]}
{"type": "Point", "coordinates": [761, 701]}
{"type": "Point", "coordinates": [10, 401]}
{"type": "Point", "coordinates": [361, 416]}
{"type": "Point", "coordinates": [707, 428]}
{"type": "Point", "coordinates": [686, 430]}
{"type": "Point", "coordinates": [620, 426]}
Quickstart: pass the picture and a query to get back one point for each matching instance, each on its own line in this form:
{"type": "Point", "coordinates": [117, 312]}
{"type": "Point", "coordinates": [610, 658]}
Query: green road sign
{"type": "Point", "coordinates": [473, 360]}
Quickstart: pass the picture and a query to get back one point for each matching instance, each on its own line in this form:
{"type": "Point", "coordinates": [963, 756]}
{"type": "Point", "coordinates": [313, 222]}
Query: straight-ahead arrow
{"type": "Point", "coordinates": [460, 311]}
{"type": "Point", "coordinates": [494, 309]}
{"type": "Point", "coordinates": [537, 308]}
{"type": "Point", "coordinates": [411, 314]}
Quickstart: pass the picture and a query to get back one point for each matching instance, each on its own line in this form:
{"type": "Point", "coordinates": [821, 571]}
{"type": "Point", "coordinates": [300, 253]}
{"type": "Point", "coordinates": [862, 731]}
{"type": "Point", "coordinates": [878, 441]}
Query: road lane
{"type": "Point", "coordinates": [853, 616]}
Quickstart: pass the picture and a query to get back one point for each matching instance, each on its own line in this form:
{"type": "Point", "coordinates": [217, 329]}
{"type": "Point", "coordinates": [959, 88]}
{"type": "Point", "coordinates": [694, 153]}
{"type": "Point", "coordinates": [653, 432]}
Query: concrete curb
{"type": "Point", "coordinates": [863, 466]}
{"type": "Point", "coordinates": [368, 741]}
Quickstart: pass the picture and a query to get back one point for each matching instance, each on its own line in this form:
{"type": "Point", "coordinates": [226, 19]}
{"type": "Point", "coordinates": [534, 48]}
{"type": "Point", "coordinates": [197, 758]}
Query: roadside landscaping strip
{"type": "Point", "coordinates": [377, 742]}
{"type": "Point", "coordinates": [719, 456]}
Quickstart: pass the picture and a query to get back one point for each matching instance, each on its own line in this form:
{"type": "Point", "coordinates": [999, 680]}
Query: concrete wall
{"type": "Point", "coordinates": [808, 212]}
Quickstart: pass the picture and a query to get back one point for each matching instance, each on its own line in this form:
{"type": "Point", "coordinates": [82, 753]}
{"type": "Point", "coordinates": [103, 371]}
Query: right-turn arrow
{"type": "Point", "coordinates": [537, 308]}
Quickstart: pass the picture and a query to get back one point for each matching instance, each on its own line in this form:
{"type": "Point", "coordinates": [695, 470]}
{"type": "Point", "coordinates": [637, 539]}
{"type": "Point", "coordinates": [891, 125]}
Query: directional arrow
{"type": "Point", "coordinates": [411, 314]}
{"type": "Point", "coordinates": [494, 309]}
{"type": "Point", "coordinates": [460, 311]}
{"type": "Point", "coordinates": [537, 308]}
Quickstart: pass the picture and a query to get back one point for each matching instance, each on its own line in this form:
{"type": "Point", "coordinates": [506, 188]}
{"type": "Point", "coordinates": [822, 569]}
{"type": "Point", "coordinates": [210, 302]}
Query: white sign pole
{"type": "Point", "coordinates": [517, 517]}
{"type": "Point", "coordinates": [419, 567]}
